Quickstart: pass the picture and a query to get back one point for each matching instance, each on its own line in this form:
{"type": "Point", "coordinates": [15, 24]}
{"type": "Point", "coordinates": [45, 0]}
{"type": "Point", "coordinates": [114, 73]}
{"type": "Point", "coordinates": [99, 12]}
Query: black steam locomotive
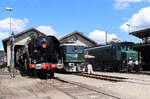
{"type": "Point", "coordinates": [40, 56]}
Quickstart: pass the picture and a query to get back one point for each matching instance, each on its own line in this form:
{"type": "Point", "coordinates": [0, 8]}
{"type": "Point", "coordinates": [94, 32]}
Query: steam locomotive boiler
{"type": "Point", "coordinates": [40, 56]}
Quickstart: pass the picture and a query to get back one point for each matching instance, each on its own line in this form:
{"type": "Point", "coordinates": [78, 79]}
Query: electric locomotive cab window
{"type": "Point", "coordinates": [80, 49]}
{"type": "Point", "coordinates": [123, 55]}
{"type": "Point", "coordinates": [70, 49]}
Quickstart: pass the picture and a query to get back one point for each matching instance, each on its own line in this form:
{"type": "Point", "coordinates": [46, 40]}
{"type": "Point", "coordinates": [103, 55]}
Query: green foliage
{"type": "Point", "coordinates": [4, 69]}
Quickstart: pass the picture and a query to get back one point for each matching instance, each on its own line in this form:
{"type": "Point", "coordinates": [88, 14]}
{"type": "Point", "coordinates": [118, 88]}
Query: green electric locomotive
{"type": "Point", "coordinates": [114, 57]}
{"type": "Point", "coordinates": [73, 57]}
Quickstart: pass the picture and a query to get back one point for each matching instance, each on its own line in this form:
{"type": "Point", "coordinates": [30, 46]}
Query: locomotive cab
{"type": "Point", "coordinates": [73, 57]}
{"type": "Point", "coordinates": [129, 58]}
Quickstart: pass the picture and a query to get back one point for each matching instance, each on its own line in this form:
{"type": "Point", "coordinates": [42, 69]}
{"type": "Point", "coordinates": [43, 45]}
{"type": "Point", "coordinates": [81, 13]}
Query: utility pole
{"type": "Point", "coordinates": [106, 37]}
{"type": "Point", "coordinates": [12, 75]}
{"type": "Point", "coordinates": [11, 45]}
{"type": "Point", "coordinates": [128, 29]}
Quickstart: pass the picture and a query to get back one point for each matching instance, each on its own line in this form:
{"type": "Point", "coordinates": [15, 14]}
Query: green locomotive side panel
{"type": "Point", "coordinates": [115, 56]}
{"type": "Point", "coordinates": [118, 53]}
{"type": "Point", "coordinates": [101, 53]}
{"type": "Point", "coordinates": [74, 57]}
{"type": "Point", "coordinates": [113, 52]}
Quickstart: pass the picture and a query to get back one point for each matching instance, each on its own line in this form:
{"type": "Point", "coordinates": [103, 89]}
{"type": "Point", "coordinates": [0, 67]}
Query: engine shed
{"type": "Point", "coordinates": [20, 40]}
{"type": "Point", "coordinates": [143, 47]}
{"type": "Point", "coordinates": [77, 38]}
{"type": "Point", "coordinates": [144, 35]}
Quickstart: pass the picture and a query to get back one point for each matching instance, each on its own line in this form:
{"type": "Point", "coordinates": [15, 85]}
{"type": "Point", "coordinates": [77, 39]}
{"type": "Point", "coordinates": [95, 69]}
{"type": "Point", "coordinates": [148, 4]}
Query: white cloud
{"type": "Point", "coordinates": [138, 20]}
{"type": "Point", "coordinates": [122, 4]}
{"type": "Point", "coordinates": [47, 30]}
{"type": "Point", "coordinates": [1, 48]}
{"type": "Point", "coordinates": [4, 35]}
{"type": "Point", "coordinates": [99, 36]}
{"type": "Point", "coordinates": [17, 26]}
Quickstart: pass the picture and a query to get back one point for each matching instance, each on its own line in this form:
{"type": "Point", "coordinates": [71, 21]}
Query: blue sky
{"type": "Point", "coordinates": [91, 17]}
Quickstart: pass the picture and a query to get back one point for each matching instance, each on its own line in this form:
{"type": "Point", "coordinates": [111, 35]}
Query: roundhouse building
{"type": "Point", "coordinates": [77, 38]}
{"type": "Point", "coordinates": [20, 40]}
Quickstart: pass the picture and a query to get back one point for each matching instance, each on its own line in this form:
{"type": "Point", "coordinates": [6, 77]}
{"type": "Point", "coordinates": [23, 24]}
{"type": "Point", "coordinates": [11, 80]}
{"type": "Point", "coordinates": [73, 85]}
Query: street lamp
{"type": "Point", "coordinates": [128, 27]}
{"type": "Point", "coordinates": [9, 9]}
{"type": "Point", "coordinates": [11, 47]}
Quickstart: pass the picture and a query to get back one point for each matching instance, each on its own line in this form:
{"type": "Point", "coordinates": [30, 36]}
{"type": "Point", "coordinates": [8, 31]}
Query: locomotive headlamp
{"type": "Point", "coordinates": [136, 62]}
{"type": "Point", "coordinates": [44, 45]}
{"type": "Point", "coordinates": [34, 61]}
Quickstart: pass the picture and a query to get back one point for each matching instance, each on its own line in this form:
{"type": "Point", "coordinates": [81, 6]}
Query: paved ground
{"type": "Point", "coordinates": [28, 88]}
{"type": "Point", "coordinates": [136, 87]}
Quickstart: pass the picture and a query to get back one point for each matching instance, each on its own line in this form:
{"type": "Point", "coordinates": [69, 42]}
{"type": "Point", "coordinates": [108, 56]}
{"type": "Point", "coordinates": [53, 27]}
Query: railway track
{"type": "Point", "coordinates": [78, 90]}
{"type": "Point", "coordinates": [143, 73]}
{"type": "Point", "coordinates": [115, 78]}
{"type": "Point", "coordinates": [102, 77]}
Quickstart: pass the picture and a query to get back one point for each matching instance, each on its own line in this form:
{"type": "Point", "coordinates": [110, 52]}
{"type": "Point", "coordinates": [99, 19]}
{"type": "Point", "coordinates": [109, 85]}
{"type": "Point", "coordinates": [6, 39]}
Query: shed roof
{"type": "Point", "coordinates": [19, 34]}
{"type": "Point", "coordinates": [79, 33]}
{"type": "Point", "coordinates": [141, 33]}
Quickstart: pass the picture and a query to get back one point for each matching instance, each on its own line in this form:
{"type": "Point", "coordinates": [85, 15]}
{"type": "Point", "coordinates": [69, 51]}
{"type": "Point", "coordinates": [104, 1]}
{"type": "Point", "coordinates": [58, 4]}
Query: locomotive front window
{"type": "Point", "coordinates": [80, 49]}
{"type": "Point", "coordinates": [73, 49]}
{"type": "Point", "coordinates": [70, 49]}
{"type": "Point", "coordinates": [123, 55]}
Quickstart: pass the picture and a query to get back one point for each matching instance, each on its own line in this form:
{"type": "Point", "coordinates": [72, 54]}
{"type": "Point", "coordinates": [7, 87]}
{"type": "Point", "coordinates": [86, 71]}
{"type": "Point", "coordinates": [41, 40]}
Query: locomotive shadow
{"type": "Point", "coordinates": [40, 76]}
